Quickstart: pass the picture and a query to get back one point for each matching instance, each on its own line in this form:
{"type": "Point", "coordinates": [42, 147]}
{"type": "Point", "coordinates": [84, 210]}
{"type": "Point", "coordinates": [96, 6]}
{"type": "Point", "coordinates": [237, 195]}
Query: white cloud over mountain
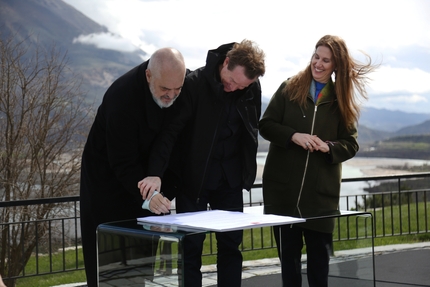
{"type": "Point", "coordinates": [106, 41]}
{"type": "Point", "coordinates": [393, 32]}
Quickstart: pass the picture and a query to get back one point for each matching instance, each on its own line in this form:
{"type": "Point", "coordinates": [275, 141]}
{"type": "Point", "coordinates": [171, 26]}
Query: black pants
{"type": "Point", "coordinates": [91, 217]}
{"type": "Point", "coordinates": [229, 257]}
{"type": "Point", "coordinates": [289, 239]}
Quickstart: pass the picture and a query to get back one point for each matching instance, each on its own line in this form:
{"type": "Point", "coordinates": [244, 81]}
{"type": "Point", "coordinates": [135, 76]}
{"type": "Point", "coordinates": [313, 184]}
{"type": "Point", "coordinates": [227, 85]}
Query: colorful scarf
{"type": "Point", "coordinates": [320, 91]}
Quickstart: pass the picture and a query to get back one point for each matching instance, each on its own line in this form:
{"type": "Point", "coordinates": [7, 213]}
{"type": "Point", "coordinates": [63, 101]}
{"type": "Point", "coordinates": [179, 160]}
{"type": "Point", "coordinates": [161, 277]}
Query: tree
{"type": "Point", "coordinates": [43, 123]}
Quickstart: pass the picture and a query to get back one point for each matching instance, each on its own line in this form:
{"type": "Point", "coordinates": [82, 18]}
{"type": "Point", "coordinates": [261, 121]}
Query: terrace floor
{"type": "Point", "coordinates": [403, 265]}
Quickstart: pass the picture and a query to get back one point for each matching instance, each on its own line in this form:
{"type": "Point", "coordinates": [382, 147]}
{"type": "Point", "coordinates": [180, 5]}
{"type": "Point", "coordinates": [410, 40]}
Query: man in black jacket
{"type": "Point", "coordinates": [133, 112]}
{"type": "Point", "coordinates": [215, 151]}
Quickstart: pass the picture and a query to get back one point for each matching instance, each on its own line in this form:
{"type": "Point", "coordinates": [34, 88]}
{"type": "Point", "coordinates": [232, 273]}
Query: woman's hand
{"type": "Point", "coordinates": [310, 142]}
{"type": "Point", "coordinates": [320, 145]}
{"type": "Point", "coordinates": [306, 141]}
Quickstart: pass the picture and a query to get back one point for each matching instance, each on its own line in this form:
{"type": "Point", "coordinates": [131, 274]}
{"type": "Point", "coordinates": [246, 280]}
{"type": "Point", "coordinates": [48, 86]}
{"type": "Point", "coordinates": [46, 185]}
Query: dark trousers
{"type": "Point", "coordinates": [90, 220]}
{"type": "Point", "coordinates": [289, 239]}
{"type": "Point", "coordinates": [229, 257]}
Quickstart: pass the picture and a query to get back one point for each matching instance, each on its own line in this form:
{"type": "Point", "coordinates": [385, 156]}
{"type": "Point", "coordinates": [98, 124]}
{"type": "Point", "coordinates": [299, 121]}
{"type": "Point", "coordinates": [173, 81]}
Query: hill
{"type": "Point", "coordinates": [367, 135]}
{"type": "Point", "coordinates": [423, 128]}
{"type": "Point", "coordinates": [53, 22]}
{"type": "Point", "coordinates": [411, 146]}
{"type": "Point", "coordinates": [387, 120]}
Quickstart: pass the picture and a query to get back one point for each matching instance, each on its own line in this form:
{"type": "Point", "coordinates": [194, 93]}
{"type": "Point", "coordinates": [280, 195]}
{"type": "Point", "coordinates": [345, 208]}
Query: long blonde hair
{"type": "Point", "coordinates": [351, 76]}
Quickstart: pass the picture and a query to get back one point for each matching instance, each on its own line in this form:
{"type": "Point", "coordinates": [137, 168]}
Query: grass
{"type": "Point", "coordinates": [53, 279]}
{"type": "Point", "coordinates": [398, 225]}
{"type": "Point", "coordinates": [57, 276]}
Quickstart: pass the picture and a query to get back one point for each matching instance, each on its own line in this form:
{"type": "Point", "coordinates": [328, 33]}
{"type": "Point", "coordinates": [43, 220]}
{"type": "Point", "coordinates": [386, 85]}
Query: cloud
{"type": "Point", "coordinates": [412, 99]}
{"type": "Point", "coordinates": [106, 41]}
{"type": "Point", "coordinates": [389, 79]}
{"type": "Point", "coordinates": [394, 32]}
{"type": "Point", "coordinates": [404, 89]}
{"type": "Point", "coordinates": [403, 102]}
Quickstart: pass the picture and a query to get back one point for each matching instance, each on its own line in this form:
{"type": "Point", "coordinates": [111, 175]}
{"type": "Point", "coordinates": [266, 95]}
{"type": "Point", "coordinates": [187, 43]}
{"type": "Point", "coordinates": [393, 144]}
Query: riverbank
{"type": "Point", "coordinates": [383, 166]}
{"type": "Point", "coordinates": [369, 166]}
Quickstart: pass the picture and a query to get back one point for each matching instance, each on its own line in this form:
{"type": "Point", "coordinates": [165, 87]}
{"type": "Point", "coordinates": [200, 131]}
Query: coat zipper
{"type": "Point", "coordinates": [306, 164]}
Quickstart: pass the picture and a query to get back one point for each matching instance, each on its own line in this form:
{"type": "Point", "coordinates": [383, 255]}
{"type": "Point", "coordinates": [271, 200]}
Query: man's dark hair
{"type": "Point", "coordinates": [248, 55]}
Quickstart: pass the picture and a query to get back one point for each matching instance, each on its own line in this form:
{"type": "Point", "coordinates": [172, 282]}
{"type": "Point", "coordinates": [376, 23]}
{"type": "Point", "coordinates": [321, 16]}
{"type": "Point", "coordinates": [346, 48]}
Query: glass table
{"type": "Point", "coordinates": [133, 253]}
{"type": "Point", "coordinates": [141, 252]}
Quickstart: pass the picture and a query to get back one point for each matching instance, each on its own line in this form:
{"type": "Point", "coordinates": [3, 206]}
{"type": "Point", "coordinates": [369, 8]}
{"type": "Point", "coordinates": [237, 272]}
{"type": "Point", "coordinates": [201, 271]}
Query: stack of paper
{"type": "Point", "coordinates": [220, 220]}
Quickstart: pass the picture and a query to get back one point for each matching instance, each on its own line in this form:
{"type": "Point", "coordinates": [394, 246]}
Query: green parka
{"type": "Point", "coordinates": [295, 181]}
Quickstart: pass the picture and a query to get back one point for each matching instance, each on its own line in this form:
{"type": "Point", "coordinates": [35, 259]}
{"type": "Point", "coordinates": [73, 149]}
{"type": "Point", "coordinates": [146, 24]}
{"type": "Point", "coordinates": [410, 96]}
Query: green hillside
{"type": "Point", "coordinates": [411, 146]}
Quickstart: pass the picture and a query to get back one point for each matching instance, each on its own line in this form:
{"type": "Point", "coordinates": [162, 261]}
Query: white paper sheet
{"type": "Point", "coordinates": [220, 220]}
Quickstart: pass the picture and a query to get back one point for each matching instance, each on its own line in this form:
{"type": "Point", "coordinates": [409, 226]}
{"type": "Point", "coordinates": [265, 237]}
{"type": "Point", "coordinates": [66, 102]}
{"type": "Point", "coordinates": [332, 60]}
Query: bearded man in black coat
{"type": "Point", "coordinates": [134, 110]}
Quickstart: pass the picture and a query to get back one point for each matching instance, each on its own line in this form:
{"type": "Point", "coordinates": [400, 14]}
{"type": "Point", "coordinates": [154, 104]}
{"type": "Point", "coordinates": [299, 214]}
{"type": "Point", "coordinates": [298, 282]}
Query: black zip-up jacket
{"type": "Point", "coordinates": [194, 133]}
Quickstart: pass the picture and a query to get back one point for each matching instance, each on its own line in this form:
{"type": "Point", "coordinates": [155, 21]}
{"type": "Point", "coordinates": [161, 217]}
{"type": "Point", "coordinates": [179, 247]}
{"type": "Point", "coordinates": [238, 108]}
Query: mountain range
{"type": "Point", "coordinates": [54, 22]}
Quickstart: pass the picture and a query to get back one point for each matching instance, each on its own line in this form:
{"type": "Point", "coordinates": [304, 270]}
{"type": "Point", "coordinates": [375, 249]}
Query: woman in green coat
{"type": "Point", "coordinates": [311, 125]}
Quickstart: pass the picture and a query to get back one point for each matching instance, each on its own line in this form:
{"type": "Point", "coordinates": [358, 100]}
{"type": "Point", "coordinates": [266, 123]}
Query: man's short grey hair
{"type": "Point", "coordinates": [166, 59]}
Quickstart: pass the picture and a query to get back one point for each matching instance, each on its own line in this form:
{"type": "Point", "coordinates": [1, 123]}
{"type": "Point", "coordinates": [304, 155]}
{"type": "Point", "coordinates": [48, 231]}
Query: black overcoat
{"type": "Point", "coordinates": [197, 125]}
{"type": "Point", "coordinates": [116, 154]}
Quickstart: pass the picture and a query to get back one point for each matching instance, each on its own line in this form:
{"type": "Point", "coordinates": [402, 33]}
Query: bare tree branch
{"type": "Point", "coordinates": [43, 126]}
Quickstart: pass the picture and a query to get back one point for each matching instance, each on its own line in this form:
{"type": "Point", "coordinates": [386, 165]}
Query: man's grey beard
{"type": "Point", "coordinates": [161, 104]}
{"type": "Point", "coordinates": [158, 101]}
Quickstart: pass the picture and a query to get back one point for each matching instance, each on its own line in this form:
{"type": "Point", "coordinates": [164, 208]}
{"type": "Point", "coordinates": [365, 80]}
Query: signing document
{"type": "Point", "coordinates": [220, 220]}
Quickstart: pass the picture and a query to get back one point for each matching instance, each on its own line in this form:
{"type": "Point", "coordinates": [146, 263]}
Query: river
{"type": "Point", "coordinates": [355, 167]}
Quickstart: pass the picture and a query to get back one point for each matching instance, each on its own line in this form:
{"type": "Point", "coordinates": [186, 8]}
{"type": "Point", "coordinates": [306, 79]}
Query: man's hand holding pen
{"type": "Point", "coordinates": [158, 203]}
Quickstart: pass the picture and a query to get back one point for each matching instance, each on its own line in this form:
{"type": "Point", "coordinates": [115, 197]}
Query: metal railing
{"type": "Point", "coordinates": [401, 211]}
{"type": "Point", "coordinates": [60, 242]}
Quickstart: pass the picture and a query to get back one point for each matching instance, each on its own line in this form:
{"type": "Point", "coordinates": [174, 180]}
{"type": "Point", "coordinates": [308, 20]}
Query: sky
{"type": "Point", "coordinates": [394, 33]}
